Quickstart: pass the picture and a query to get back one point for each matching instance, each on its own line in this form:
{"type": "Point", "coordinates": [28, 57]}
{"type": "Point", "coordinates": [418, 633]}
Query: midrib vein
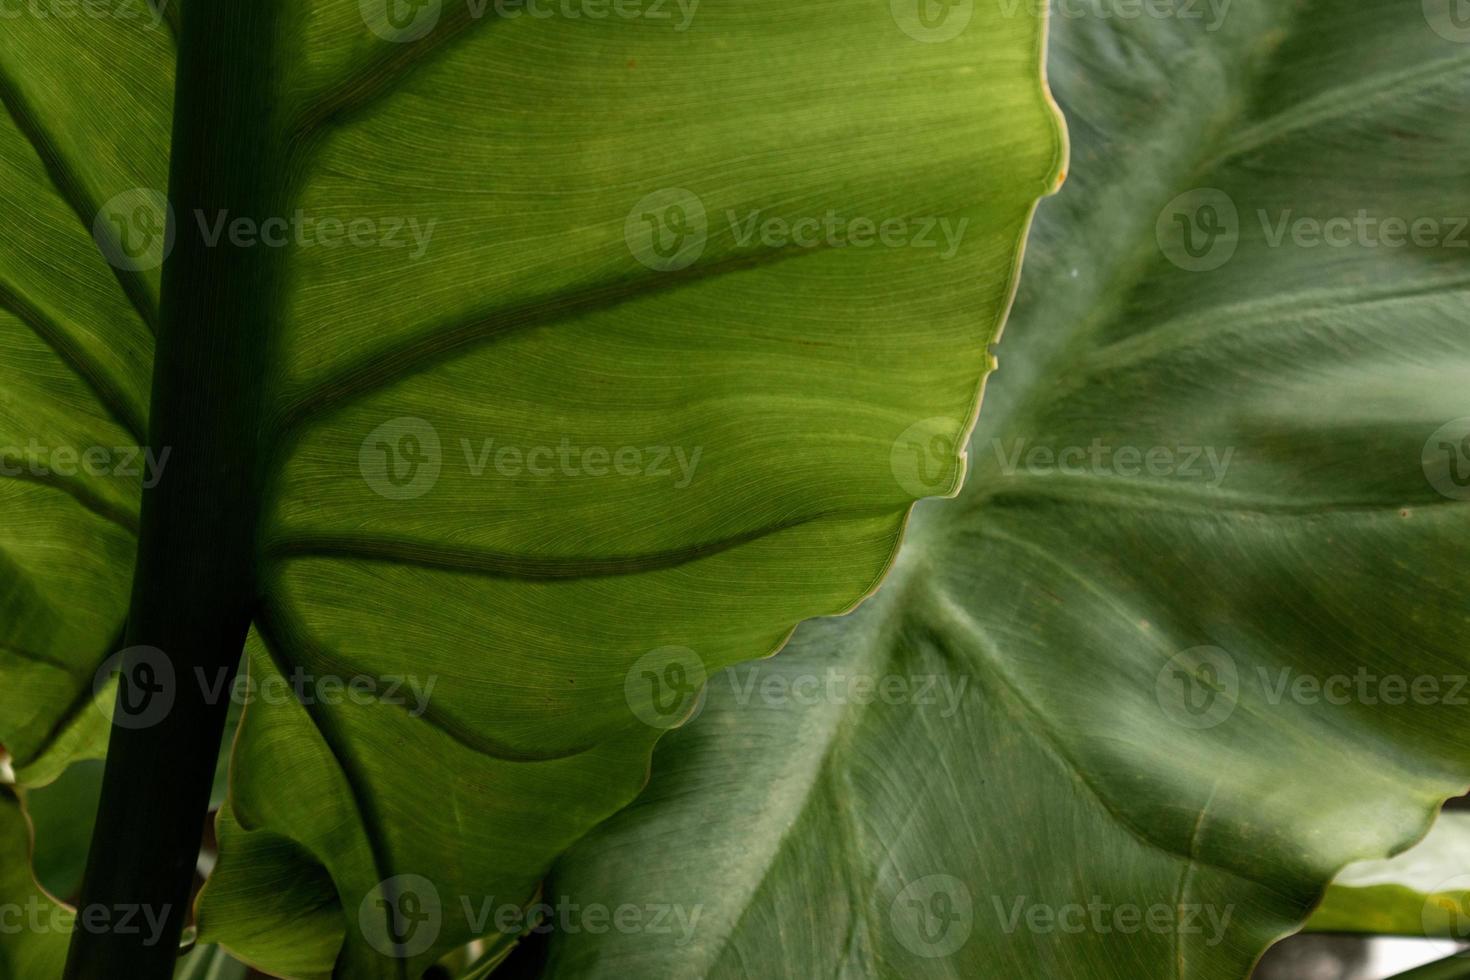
{"type": "Point", "coordinates": [876, 653]}
{"type": "Point", "coordinates": [374, 80]}
{"type": "Point", "coordinates": [108, 394]}
{"type": "Point", "coordinates": [347, 763]}
{"type": "Point", "coordinates": [1133, 264]}
{"type": "Point", "coordinates": [526, 567]}
{"type": "Point", "coordinates": [1333, 104]}
{"type": "Point", "coordinates": [421, 352]}
{"type": "Point", "coordinates": [989, 652]}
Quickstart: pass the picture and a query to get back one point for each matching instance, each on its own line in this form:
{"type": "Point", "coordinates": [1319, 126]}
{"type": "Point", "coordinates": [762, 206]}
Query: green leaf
{"type": "Point", "coordinates": [78, 339]}
{"type": "Point", "coordinates": [1425, 891]}
{"type": "Point", "coordinates": [276, 902]}
{"type": "Point", "coordinates": [1086, 764]}
{"type": "Point", "coordinates": [62, 813]}
{"type": "Point", "coordinates": [210, 963]}
{"type": "Point", "coordinates": [648, 335]}
{"type": "Point", "coordinates": [37, 926]}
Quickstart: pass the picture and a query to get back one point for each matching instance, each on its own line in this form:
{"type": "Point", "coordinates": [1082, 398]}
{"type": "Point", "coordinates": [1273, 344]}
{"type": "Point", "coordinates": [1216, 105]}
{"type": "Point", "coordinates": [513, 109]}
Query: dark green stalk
{"type": "Point", "coordinates": [194, 583]}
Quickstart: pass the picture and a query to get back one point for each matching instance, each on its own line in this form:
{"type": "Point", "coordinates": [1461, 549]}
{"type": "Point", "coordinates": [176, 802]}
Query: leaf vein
{"type": "Point", "coordinates": [69, 186]}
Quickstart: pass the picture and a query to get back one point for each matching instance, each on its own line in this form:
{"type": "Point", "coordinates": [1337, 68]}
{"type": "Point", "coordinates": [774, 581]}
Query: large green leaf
{"type": "Point", "coordinates": [88, 119]}
{"type": "Point", "coordinates": [1140, 773]}
{"type": "Point", "coordinates": [648, 332]}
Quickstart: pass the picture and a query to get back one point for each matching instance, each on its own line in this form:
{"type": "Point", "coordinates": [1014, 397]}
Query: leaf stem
{"type": "Point", "coordinates": [194, 585]}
